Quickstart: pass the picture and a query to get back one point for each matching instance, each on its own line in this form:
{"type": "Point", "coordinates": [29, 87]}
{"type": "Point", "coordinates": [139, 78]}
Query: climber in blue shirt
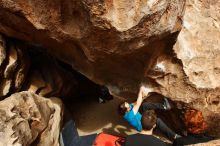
{"type": "Point", "coordinates": [130, 111]}
{"type": "Point", "coordinates": [132, 115]}
{"type": "Point", "coordinates": [133, 119]}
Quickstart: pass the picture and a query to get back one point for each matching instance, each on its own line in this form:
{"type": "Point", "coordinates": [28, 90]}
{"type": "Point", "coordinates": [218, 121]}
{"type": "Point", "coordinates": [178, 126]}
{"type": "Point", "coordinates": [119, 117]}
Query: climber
{"type": "Point", "coordinates": [132, 115]}
{"type": "Point", "coordinates": [145, 137]}
{"type": "Point", "coordinates": [195, 129]}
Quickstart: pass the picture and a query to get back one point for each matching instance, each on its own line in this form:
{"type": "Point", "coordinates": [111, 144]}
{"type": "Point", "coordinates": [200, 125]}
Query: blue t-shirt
{"type": "Point", "coordinates": [133, 119]}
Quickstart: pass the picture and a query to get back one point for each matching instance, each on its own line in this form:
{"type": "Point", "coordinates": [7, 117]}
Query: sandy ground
{"type": "Point", "coordinates": [91, 117]}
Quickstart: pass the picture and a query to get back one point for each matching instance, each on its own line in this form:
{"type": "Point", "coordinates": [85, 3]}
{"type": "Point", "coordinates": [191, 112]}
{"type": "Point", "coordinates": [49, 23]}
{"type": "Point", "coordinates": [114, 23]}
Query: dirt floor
{"type": "Point", "coordinates": [92, 117]}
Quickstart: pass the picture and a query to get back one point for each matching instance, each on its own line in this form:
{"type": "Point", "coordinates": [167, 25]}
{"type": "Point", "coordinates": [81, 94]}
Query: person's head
{"type": "Point", "coordinates": [194, 121]}
{"type": "Point", "coordinates": [148, 120]}
{"type": "Point", "coordinates": [123, 108]}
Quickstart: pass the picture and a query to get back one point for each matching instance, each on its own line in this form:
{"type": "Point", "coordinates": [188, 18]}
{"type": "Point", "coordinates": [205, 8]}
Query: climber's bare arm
{"type": "Point", "coordinates": [143, 93]}
{"type": "Point", "coordinates": [139, 98]}
{"type": "Point", "coordinates": [143, 98]}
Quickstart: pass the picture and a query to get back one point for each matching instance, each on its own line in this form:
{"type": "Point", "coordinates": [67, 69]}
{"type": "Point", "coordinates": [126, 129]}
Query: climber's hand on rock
{"type": "Point", "coordinates": [145, 91]}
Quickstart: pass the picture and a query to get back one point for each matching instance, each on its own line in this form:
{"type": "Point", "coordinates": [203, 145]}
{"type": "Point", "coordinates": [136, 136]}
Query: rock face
{"type": "Point", "coordinates": [47, 78]}
{"type": "Point", "coordinates": [111, 42]}
{"type": "Point", "coordinates": [192, 76]}
{"type": "Point", "coordinates": [23, 70]}
{"type": "Point", "coordinates": [198, 43]}
{"type": "Point", "coordinates": [27, 118]}
{"type": "Point", "coordinates": [210, 143]}
{"type": "Point", "coordinates": [171, 46]}
{"type": "Point", "coordinates": [14, 65]}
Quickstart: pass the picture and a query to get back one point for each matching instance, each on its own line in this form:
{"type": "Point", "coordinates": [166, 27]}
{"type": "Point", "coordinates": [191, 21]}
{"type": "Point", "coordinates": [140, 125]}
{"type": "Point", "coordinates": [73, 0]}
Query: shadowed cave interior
{"type": "Point", "coordinates": [90, 116]}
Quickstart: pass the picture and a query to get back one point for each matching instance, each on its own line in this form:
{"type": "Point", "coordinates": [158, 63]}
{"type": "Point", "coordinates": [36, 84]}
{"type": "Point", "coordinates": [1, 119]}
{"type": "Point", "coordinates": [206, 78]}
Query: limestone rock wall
{"type": "Point", "coordinates": [189, 73]}
{"type": "Point", "coordinates": [198, 43]}
{"type": "Point", "coordinates": [210, 143]}
{"type": "Point", "coordinates": [38, 72]}
{"type": "Point", "coordinates": [111, 42]}
{"type": "Point", "coordinates": [47, 78]}
{"type": "Point", "coordinates": [14, 65]}
{"type": "Point", "coordinates": [26, 118]}
{"type": "Point", "coordinates": [170, 45]}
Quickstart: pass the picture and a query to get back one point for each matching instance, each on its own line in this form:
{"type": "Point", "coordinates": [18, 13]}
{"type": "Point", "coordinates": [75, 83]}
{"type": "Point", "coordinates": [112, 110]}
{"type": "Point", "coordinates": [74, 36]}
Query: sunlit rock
{"type": "Point", "coordinates": [27, 118]}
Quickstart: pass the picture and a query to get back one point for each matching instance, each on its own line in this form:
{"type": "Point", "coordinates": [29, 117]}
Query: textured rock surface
{"type": "Point", "coordinates": [14, 64]}
{"type": "Point", "coordinates": [198, 43]}
{"type": "Point", "coordinates": [210, 143]}
{"type": "Point", "coordinates": [193, 76]}
{"type": "Point", "coordinates": [20, 70]}
{"type": "Point", "coordinates": [124, 43]}
{"type": "Point", "coordinates": [2, 50]}
{"type": "Point", "coordinates": [27, 118]}
{"type": "Point", "coordinates": [110, 42]}
{"type": "Point", "coordinates": [46, 78]}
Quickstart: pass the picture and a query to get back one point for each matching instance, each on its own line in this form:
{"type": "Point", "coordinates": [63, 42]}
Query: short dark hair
{"type": "Point", "coordinates": [122, 109]}
{"type": "Point", "coordinates": [148, 119]}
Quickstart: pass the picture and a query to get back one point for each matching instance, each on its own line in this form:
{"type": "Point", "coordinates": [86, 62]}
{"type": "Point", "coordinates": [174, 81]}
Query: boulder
{"type": "Point", "coordinates": [171, 46]}
{"type": "Point", "coordinates": [47, 78]}
{"type": "Point", "coordinates": [27, 119]}
{"type": "Point", "coordinates": [110, 42]}
{"type": "Point", "coordinates": [2, 50]}
{"type": "Point", "coordinates": [14, 65]}
{"type": "Point", "coordinates": [188, 73]}
{"type": "Point", "coordinates": [4, 84]}
{"type": "Point", "coordinates": [5, 87]}
{"type": "Point", "coordinates": [11, 63]}
{"type": "Point", "coordinates": [9, 70]}
{"type": "Point", "coordinates": [210, 143]}
{"type": "Point", "coordinates": [23, 67]}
